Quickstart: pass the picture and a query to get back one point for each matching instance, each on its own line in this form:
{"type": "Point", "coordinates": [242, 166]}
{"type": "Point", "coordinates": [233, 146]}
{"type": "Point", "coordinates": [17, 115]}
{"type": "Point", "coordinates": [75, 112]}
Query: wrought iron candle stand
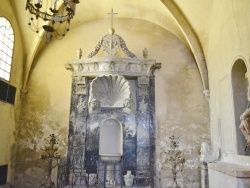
{"type": "Point", "coordinates": [174, 159]}
{"type": "Point", "coordinates": [51, 154]}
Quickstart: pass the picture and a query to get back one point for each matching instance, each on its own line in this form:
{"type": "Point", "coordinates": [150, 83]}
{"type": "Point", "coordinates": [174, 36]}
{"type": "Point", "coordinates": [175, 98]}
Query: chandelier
{"type": "Point", "coordinates": [51, 16]}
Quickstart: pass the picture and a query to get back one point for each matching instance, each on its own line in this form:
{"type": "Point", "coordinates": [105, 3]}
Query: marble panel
{"type": "Point", "coordinates": [138, 131]}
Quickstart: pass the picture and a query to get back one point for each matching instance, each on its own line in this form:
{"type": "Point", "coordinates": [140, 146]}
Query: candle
{"type": "Point", "coordinates": [55, 9]}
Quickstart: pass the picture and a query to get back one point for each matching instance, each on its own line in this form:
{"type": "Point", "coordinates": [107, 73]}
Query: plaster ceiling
{"type": "Point", "coordinates": [196, 12]}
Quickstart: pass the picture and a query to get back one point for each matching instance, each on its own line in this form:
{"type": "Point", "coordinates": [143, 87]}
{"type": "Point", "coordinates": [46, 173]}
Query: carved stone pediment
{"type": "Point", "coordinates": [111, 44]}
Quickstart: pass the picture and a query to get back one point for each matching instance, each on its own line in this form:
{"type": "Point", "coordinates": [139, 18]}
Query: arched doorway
{"type": "Point", "coordinates": [239, 87]}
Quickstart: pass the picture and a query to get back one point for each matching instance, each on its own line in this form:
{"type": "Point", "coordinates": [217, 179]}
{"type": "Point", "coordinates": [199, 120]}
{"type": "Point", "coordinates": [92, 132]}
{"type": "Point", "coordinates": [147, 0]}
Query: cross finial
{"type": "Point", "coordinates": [112, 14]}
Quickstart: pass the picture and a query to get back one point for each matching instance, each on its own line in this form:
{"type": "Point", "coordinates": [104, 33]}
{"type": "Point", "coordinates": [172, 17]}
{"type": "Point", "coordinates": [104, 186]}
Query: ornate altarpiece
{"type": "Point", "coordinates": [106, 89]}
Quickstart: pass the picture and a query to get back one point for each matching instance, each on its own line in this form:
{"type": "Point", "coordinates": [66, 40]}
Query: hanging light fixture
{"type": "Point", "coordinates": [53, 16]}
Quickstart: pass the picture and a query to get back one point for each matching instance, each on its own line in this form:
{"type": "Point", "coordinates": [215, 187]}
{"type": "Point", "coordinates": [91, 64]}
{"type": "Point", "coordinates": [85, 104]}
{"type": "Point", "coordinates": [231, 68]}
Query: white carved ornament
{"type": "Point", "coordinates": [110, 90]}
{"type": "Point", "coordinates": [111, 44]}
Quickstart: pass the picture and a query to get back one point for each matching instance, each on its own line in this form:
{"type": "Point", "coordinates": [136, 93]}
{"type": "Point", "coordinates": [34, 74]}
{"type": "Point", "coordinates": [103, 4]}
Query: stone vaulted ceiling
{"type": "Point", "coordinates": [189, 20]}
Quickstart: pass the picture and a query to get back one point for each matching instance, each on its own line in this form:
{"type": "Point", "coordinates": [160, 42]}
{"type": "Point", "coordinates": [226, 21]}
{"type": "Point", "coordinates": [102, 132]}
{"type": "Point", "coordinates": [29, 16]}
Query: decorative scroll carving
{"type": "Point", "coordinates": [81, 86]}
{"type": "Point", "coordinates": [110, 91]}
{"type": "Point", "coordinates": [143, 83]}
{"type": "Point", "coordinates": [156, 66]}
{"type": "Point", "coordinates": [96, 50]}
{"type": "Point", "coordinates": [145, 53]}
{"type": "Point", "coordinates": [125, 49]}
{"type": "Point", "coordinates": [111, 44]}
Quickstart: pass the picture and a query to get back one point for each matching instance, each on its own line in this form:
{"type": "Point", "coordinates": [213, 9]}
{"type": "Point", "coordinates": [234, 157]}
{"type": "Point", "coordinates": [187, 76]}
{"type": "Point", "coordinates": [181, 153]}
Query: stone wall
{"type": "Point", "coordinates": [9, 114]}
{"type": "Point", "coordinates": [228, 42]}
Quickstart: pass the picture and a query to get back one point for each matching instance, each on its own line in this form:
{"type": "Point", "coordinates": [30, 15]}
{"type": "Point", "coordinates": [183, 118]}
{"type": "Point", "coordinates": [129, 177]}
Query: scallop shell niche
{"type": "Point", "coordinates": [110, 90]}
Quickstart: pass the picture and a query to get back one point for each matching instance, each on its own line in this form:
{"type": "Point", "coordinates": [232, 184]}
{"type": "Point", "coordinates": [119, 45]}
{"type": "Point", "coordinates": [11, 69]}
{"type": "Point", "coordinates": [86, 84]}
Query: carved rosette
{"type": "Point", "coordinates": [143, 83]}
{"type": "Point", "coordinates": [81, 105]}
{"type": "Point", "coordinates": [111, 44]}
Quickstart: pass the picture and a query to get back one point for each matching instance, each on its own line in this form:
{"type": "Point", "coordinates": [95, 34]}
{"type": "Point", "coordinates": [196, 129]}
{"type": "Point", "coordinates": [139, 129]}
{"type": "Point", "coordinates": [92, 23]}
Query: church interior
{"type": "Point", "coordinates": [136, 94]}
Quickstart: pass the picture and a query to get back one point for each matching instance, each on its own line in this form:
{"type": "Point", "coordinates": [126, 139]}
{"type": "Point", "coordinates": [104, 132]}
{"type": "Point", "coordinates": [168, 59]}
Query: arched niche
{"type": "Point", "coordinates": [111, 138]}
{"type": "Point", "coordinates": [110, 90]}
{"type": "Point", "coordinates": [239, 87]}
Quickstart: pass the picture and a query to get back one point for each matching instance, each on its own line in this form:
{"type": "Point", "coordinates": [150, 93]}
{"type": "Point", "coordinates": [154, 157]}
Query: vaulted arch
{"type": "Point", "coordinates": [192, 41]}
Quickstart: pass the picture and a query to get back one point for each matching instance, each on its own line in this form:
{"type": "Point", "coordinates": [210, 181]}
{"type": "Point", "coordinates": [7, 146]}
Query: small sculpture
{"type": "Point", "coordinates": [72, 178]}
{"type": "Point", "coordinates": [145, 53]}
{"type": "Point", "coordinates": [205, 152]}
{"type": "Point", "coordinates": [245, 125]}
{"type": "Point", "coordinates": [110, 182]}
{"type": "Point", "coordinates": [245, 128]}
{"type": "Point", "coordinates": [80, 67]}
{"type": "Point", "coordinates": [128, 179]}
{"type": "Point", "coordinates": [79, 53]}
{"type": "Point", "coordinates": [92, 179]}
{"type": "Point", "coordinates": [94, 104]}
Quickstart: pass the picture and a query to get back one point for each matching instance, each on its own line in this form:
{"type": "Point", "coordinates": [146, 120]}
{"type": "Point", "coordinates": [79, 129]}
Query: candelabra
{"type": "Point", "coordinates": [50, 154]}
{"type": "Point", "coordinates": [174, 159]}
{"type": "Point", "coordinates": [53, 16]}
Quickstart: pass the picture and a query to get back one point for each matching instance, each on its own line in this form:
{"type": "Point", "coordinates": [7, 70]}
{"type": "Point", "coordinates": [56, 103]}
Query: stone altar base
{"type": "Point", "coordinates": [228, 175]}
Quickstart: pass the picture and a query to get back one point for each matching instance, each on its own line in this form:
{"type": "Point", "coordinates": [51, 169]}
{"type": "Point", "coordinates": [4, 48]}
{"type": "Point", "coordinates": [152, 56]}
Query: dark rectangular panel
{"type": "Point", "coordinates": [3, 90]}
{"type": "Point", "coordinates": [11, 95]}
{"type": "Point", "coordinates": [7, 92]}
{"type": "Point", "coordinates": [3, 174]}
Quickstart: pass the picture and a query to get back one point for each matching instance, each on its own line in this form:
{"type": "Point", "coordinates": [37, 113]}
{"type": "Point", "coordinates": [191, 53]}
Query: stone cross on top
{"type": "Point", "coordinates": [112, 14]}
